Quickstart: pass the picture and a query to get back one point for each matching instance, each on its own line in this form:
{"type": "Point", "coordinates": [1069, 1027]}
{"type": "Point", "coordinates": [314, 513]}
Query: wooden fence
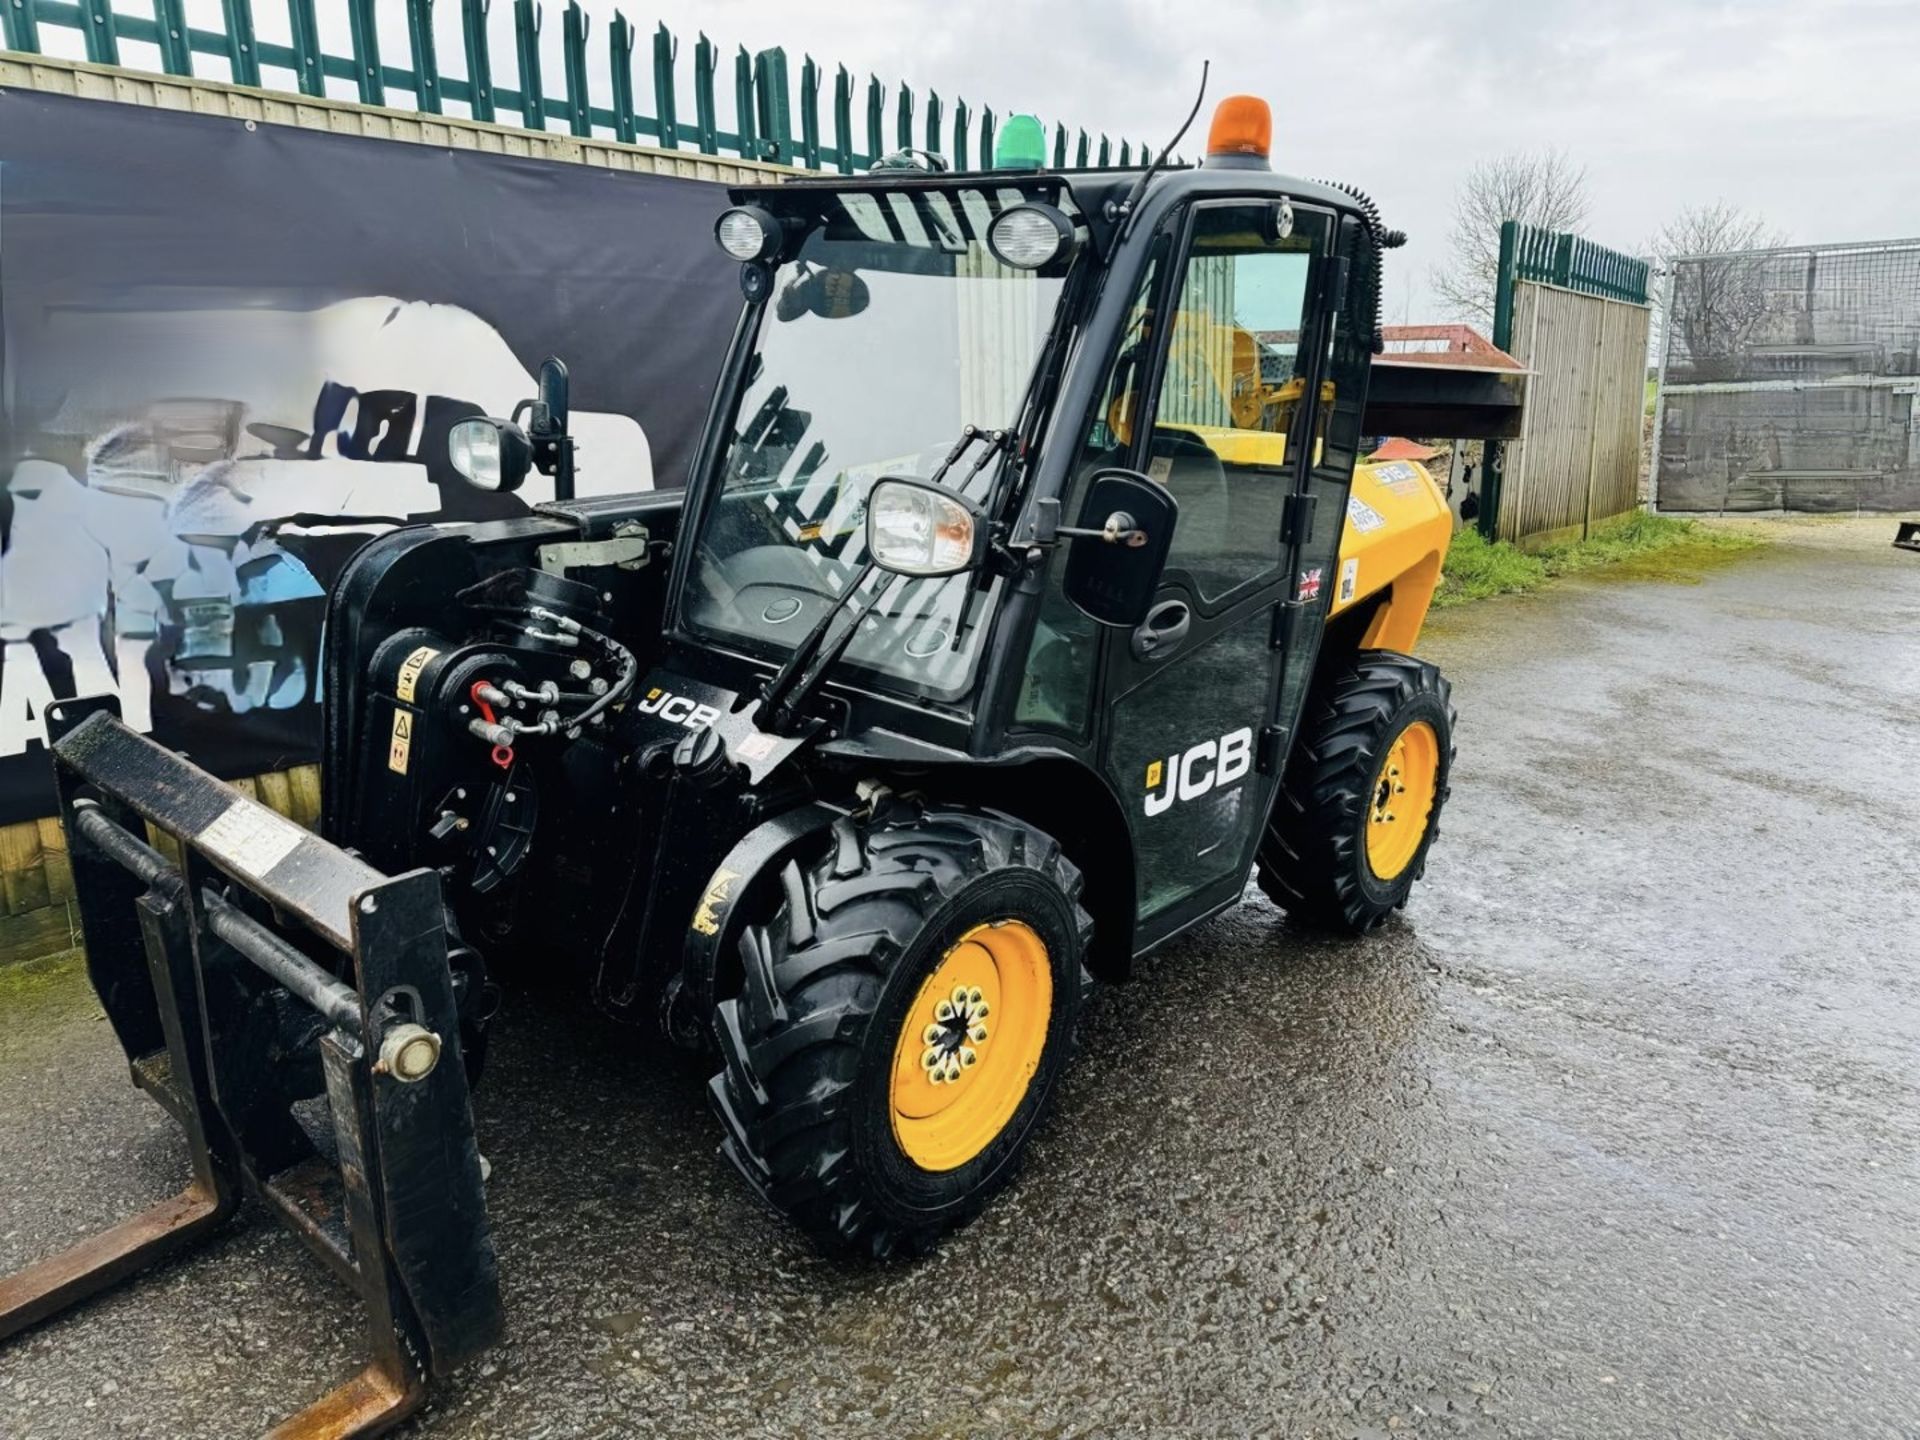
{"type": "Point", "coordinates": [1578, 457]}
{"type": "Point", "coordinates": [36, 882]}
{"type": "Point", "coordinates": [1575, 314]}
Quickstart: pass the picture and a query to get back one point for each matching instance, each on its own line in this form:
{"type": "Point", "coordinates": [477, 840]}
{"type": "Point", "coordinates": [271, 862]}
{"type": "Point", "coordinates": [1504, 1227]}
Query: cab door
{"type": "Point", "coordinates": [1216, 408]}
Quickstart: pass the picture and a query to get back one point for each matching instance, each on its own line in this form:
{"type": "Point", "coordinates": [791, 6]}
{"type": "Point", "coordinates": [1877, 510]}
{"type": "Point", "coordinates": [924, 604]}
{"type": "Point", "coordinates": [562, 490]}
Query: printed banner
{"type": "Point", "coordinates": [232, 353]}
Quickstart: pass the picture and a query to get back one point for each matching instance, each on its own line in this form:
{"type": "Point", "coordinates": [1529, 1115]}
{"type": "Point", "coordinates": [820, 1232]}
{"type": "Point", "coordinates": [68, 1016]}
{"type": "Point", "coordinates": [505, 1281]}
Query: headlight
{"type": "Point", "coordinates": [492, 454]}
{"type": "Point", "coordinates": [748, 233]}
{"type": "Point", "coordinates": [1029, 236]}
{"type": "Point", "coordinates": [918, 529]}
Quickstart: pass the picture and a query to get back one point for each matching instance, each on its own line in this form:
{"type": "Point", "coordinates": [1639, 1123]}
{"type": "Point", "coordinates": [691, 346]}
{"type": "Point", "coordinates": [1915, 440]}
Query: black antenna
{"type": "Point", "coordinates": [1125, 207]}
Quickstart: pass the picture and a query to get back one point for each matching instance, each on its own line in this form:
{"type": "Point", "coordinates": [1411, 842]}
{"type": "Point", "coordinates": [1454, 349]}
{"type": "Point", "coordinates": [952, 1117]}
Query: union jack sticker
{"type": "Point", "coordinates": [1309, 584]}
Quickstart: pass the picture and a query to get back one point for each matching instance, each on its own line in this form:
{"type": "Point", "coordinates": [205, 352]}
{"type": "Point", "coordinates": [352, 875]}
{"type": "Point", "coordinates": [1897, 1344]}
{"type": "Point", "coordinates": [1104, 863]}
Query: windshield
{"type": "Point", "coordinates": [891, 330]}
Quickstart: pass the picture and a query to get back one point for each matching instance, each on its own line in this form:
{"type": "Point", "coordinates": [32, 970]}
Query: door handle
{"type": "Point", "coordinates": [1160, 634]}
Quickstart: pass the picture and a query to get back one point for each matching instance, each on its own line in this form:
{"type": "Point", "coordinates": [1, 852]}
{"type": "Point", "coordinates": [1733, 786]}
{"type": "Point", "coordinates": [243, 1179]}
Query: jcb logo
{"type": "Point", "coordinates": [679, 709]}
{"type": "Point", "coordinates": [1191, 774]}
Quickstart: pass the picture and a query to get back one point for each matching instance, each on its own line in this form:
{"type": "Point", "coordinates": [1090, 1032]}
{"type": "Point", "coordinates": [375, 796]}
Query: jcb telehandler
{"type": "Point", "coordinates": [1024, 597]}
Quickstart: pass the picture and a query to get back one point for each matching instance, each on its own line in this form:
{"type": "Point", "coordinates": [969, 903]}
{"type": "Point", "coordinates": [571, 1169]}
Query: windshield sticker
{"type": "Point", "coordinates": [1363, 517]}
{"type": "Point", "coordinates": [1349, 579]}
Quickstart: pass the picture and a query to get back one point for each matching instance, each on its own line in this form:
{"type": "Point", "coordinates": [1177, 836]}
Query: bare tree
{"type": "Point", "coordinates": [1716, 228]}
{"type": "Point", "coordinates": [1537, 187]}
{"type": "Point", "coordinates": [1719, 291]}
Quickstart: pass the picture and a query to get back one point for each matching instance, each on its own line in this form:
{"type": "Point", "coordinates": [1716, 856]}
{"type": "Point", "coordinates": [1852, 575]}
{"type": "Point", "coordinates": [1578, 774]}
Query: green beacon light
{"type": "Point", "coordinates": [1022, 144]}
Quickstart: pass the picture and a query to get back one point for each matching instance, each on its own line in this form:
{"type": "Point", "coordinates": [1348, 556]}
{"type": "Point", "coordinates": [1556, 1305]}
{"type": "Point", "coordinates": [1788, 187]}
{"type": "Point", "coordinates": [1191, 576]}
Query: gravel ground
{"type": "Point", "coordinates": [1614, 1135]}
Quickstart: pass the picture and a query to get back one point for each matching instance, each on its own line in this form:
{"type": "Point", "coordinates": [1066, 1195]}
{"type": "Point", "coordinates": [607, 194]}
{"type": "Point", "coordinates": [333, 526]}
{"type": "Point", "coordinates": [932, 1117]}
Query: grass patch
{"type": "Point", "coordinates": [1637, 545]}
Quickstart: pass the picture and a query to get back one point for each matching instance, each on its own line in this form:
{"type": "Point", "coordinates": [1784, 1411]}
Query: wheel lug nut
{"type": "Point", "coordinates": [943, 1012]}
{"type": "Point", "coordinates": [977, 1033]}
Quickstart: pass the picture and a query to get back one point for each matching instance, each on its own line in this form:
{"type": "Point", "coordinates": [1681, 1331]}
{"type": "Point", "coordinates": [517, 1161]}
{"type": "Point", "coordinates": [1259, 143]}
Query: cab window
{"type": "Point", "coordinates": [1228, 397]}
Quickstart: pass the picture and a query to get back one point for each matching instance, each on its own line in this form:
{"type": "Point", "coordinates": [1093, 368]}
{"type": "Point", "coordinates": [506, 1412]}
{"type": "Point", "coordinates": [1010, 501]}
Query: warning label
{"type": "Point", "coordinates": [400, 747]}
{"type": "Point", "coordinates": [410, 669]}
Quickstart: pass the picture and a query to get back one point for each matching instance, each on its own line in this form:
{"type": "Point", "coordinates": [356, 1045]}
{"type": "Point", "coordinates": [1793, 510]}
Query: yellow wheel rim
{"type": "Point", "coordinates": [1402, 801]}
{"type": "Point", "coordinates": [970, 1045]}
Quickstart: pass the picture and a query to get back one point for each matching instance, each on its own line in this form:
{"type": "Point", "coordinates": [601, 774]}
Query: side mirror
{"type": "Point", "coordinates": [492, 454]}
{"type": "Point", "coordinates": [1119, 547]}
{"type": "Point", "coordinates": [918, 528]}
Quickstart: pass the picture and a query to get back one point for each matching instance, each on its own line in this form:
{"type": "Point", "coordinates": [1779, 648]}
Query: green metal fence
{"type": "Point", "coordinates": [770, 123]}
{"type": "Point", "coordinates": [1554, 257]}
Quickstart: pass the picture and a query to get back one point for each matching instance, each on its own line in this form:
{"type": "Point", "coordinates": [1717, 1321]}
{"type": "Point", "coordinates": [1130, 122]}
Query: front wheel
{"type": "Point", "coordinates": [901, 1022]}
{"type": "Point", "coordinates": [1360, 805]}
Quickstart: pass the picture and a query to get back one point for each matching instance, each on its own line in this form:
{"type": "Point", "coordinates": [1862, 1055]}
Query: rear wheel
{"type": "Point", "coordinates": [1360, 805]}
{"type": "Point", "coordinates": [901, 1022]}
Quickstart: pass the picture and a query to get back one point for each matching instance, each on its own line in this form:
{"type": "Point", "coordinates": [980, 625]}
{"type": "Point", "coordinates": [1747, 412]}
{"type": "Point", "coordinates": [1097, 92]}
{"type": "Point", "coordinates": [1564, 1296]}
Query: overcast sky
{"type": "Point", "coordinates": [1804, 111]}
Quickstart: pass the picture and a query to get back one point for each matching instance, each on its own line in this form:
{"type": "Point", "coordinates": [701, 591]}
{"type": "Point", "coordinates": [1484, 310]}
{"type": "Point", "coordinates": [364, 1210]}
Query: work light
{"type": "Point", "coordinates": [748, 233]}
{"type": "Point", "coordinates": [492, 454]}
{"type": "Point", "coordinates": [914, 528]}
{"type": "Point", "coordinates": [1030, 236]}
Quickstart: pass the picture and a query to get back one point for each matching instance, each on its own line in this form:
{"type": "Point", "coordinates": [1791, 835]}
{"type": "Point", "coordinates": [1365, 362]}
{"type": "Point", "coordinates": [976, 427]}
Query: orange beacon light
{"type": "Point", "coordinates": [1242, 131]}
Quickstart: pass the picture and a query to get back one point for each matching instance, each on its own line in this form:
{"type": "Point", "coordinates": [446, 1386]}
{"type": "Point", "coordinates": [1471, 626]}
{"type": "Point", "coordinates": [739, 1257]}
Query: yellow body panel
{"type": "Point", "coordinates": [1397, 531]}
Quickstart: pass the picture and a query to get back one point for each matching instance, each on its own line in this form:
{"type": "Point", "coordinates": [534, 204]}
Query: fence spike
{"type": "Point", "coordinates": [809, 112]}
{"type": "Point", "coordinates": [170, 20]}
{"type": "Point", "coordinates": [473, 26]}
{"type": "Point", "coordinates": [986, 139]}
{"type": "Point", "coordinates": [748, 144]}
{"type": "Point", "coordinates": [102, 36]}
{"type": "Point", "coordinates": [876, 118]}
{"type": "Point", "coordinates": [426, 65]}
{"type": "Point", "coordinates": [933, 121]}
{"type": "Point", "coordinates": [242, 59]}
{"type": "Point", "coordinates": [620, 58]}
{"type": "Point", "coordinates": [20, 26]}
{"type": "Point", "coordinates": [666, 50]}
{"type": "Point", "coordinates": [1082, 152]}
{"type": "Point", "coordinates": [706, 63]}
{"type": "Point", "coordinates": [364, 31]}
{"type": "Point", "coordinates": [773, 105]}
{"type": "Point", "coordinates": [1106, 152]}
{"type": "Point", "coordinates": [843, 121]}
{"type": "Point", "coordinates": [905, 126]}
{"type": "Point", "coordinates": [1059, 146]}
{"type": "Point", "coordinates": [526, 39]}
{"type": "Point", "coordinates": [574, 26]}
{"type": "Point", "coordinates": [961, 124]}
{"type": "Point", "coordinates": [306, 47]}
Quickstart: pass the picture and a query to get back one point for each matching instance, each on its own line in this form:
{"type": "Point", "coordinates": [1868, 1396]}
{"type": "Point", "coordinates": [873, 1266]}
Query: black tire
{"type": "Point", "coordinates": [808, 1043]}
{"type": "Point", "coordinates": [1313, 859]}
